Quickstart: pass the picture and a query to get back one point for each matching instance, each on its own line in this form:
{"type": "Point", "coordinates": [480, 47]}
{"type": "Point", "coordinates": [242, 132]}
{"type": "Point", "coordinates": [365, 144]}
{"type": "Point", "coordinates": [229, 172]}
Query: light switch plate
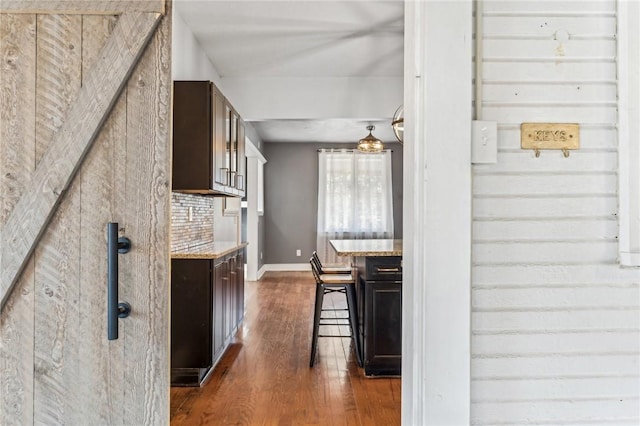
{"type": "Point", "coordinates": [484, 142]}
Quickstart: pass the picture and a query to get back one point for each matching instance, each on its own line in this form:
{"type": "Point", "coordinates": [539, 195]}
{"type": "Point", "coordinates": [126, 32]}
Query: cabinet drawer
{"type": "Point", "coordinates": [385, 268]}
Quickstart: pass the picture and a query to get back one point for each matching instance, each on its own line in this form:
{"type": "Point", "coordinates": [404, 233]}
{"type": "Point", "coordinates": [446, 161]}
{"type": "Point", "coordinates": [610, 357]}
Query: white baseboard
{"type": "Point", "coordinates": [286, 267]}
{"type": "Point", "coordinates": [261, 271]}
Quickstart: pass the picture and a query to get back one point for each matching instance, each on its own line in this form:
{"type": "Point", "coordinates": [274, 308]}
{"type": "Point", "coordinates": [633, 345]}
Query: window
{"type": "Point", "coordinates": [354, 197]}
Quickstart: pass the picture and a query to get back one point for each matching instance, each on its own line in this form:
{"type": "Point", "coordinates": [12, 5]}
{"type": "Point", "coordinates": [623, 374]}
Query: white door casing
{"type": "Point", "coordinates": [255, 208]}
{"type": "Point", "coordinates": [437, 210]}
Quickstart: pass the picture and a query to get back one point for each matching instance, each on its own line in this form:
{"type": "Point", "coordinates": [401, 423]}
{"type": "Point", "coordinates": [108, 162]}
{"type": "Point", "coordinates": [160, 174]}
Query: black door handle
{"type": "Point", "coordinates": [115, 310]}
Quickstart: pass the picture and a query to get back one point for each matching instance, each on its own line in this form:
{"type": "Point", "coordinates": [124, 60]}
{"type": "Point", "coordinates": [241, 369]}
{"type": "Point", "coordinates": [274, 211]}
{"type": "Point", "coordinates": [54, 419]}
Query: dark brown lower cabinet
{"type": "Point", "coordinates": [207, 307]}
{"type": "Point", "coordinates": [191, 319]}
{"type": "Point", "coordinates": [220, 279]}
{"type": "Point", "coordinates": [379, 293]}
{"type": "Point", "coordinates": [230, 300]}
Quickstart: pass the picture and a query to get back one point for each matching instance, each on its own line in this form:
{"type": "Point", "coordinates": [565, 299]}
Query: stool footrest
{"type": "Point", "coordinates": [332, 335]}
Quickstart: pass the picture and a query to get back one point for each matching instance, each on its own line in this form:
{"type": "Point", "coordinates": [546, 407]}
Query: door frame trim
{"type": "Point", "coordinates": [437, 211]}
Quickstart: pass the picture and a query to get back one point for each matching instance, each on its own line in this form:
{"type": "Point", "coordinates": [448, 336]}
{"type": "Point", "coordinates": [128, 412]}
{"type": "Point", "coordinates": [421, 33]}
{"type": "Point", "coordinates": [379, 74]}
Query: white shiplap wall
{"type": "Point", "coordinates": [555, 320]}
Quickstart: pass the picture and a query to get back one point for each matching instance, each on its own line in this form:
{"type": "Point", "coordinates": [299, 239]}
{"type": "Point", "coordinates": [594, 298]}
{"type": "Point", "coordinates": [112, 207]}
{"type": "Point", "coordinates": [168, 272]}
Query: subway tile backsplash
{"type": "Point", "coordinates": [187, 233]}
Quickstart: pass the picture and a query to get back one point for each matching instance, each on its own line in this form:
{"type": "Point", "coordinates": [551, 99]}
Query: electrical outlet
{"type": "Point", "coordinates": [260, 255]}
{"type": "Point", "coordinates": [298, 252]}
{"type": "Point", "coordinates": [190, 214]}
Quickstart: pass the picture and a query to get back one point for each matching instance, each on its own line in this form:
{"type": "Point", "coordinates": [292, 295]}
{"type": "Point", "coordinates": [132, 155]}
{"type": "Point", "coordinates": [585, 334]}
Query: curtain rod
{"type": "Point", "coordinates": [347, 150]}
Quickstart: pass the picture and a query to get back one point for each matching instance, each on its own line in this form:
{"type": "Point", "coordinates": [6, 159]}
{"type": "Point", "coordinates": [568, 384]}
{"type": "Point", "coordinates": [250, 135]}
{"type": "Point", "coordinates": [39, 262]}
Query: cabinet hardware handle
{"type": "Point", "coordinates": [233, 181]}
{"type": "Point", "coordinates": [224, 171]}
{"type": "Point", "coordinates": [115, 310]}
{"type": "Point", "coordinates": [388, 269]}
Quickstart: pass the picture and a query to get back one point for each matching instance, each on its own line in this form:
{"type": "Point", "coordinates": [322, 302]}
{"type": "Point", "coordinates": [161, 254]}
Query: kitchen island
{"type": "Point", "coordinates": [379, 300]}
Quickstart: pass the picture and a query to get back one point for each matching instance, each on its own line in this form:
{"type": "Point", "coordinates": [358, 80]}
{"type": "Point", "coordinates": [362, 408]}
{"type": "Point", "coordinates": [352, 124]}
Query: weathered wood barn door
{"type": "Point", "coordinates": [85, 90]}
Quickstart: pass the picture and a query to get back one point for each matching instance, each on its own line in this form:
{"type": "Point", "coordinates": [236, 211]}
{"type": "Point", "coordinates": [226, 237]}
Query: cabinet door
{"type": "Point", "coordinates": [227, 143]}
{"type": "Point", "coordinates": [233, 149]}
{"type": "Point", "coordinates": [241, 158]}
{"type": "Point", "coordinates": [383, 328]}
{"type": "Point", "coordinates": [192, 136]}
{"type": "Point", "coordinates": [220, 139]}
{"type": "Point", "coordinates": [221, 276]}
{"type": "Point", "coordinates": [191, 301]}
{"type": "Point", "coordinates": [230, 313]}
{"type": "Point", "coordinates": [240, 287]}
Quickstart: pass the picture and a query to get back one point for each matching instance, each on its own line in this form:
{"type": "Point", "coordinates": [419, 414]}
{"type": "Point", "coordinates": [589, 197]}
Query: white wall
{"type": "Point", "coordinates": [188, 61]}
{"type": "Point", "coordinates": [555, 319]}
{"type": "Point", "coordinates": [332, 97]}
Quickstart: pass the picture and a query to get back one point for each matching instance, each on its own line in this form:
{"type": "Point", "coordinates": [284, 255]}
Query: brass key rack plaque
{"type": "Point", "coordinates": [562, 136]}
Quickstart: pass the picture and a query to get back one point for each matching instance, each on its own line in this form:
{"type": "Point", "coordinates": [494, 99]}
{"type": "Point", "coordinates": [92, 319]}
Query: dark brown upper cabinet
{"type": "Point", "coordinates": [241, 159]}
{"type": "Point", "coordinates": [208, 141]}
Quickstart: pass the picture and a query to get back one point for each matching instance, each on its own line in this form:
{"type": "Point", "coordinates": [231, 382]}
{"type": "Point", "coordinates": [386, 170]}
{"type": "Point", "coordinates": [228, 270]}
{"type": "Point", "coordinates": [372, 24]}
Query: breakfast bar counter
{"type": "Point", "coordinates": [379, 299]}
{"type": "Point", "coordinates": [386, 247]}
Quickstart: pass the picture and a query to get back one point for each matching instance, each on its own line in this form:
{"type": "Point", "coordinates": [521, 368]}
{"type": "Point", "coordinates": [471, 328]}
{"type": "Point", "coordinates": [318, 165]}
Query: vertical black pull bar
{"type": "Point", "coordinates": [115, 310]}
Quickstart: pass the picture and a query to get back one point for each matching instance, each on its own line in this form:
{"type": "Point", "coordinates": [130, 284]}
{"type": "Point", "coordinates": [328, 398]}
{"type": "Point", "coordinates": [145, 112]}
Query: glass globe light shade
{"type": "Point", "coordinates": [398, 123]}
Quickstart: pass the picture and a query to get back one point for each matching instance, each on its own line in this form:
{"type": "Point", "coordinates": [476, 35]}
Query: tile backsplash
{"type": "Point", "coordinates": [187, 233]}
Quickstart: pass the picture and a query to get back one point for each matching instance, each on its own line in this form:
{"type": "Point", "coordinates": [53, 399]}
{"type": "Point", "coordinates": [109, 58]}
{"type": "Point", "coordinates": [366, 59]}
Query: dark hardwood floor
{"type": "Point", "coordinates": [264, 377]}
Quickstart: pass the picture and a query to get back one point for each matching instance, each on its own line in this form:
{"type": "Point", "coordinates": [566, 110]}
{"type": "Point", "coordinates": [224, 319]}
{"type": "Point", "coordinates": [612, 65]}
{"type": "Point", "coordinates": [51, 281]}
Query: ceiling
{"type": "Point", "coordinates": [305, 70]}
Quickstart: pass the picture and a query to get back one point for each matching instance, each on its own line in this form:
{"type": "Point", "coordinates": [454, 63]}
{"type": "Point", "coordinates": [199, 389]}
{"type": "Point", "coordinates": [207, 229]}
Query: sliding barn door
{"type": "Point", "coordinates": [84, 140]}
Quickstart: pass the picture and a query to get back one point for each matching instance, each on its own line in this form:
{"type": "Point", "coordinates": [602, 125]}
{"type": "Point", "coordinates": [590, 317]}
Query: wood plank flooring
{"type": "Point", "coordinates": [264, 377]}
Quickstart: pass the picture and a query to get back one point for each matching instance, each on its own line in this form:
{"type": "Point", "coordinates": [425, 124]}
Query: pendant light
{"type": "Point", "coordinates": [370, 143]}
{"type": "Point", "coordinates": [398, 123]}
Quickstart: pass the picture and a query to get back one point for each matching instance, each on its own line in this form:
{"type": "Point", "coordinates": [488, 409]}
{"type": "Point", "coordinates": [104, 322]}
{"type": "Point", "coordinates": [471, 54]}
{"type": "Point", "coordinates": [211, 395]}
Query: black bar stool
{"type": "Point", "coordinates": [330, 269]}
{"type": "Point", "coordinates": [331, 283]}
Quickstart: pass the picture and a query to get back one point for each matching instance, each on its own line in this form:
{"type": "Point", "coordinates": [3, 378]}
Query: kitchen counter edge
{"type": "Point", "coordinates": [212, 250]}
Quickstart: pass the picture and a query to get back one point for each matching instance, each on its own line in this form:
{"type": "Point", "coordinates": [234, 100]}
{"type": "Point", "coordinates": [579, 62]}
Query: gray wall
{"type": "Point", "coordinates": [291, 198]}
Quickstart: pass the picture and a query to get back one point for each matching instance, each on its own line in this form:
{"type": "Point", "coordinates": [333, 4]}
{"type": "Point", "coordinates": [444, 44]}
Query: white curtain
{"type": "Point", "coordinates": [355, 199]}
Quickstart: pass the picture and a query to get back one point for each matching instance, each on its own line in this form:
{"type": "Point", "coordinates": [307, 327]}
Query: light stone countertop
{"type": "Point", "coordinates": [367, 247]}
{"type": "Point", "coordinates": [212, 250]}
